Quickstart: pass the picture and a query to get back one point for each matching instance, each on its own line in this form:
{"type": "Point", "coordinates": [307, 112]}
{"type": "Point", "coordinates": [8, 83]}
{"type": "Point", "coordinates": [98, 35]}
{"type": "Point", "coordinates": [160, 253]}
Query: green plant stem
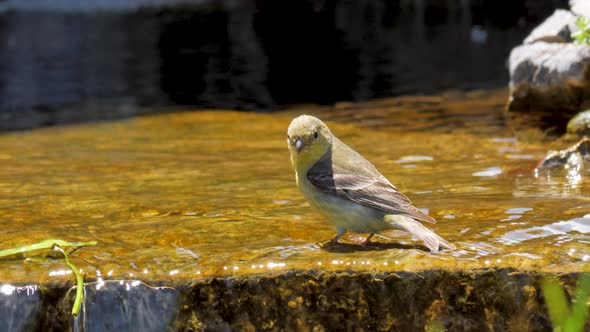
{"type": "Point", "coordinates": [79, 283]}
{"type": "Point", "coordinates": [55, 244]}
{"type": "Point", "coordinates": [46, 244]}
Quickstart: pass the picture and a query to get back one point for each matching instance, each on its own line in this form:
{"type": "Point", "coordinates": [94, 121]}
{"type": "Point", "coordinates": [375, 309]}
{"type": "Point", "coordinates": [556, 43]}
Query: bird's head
{"type": "Point", "coordinates": [308, 139]}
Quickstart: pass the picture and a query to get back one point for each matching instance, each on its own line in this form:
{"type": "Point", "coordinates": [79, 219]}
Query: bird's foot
{"type": "Point", "coordinates": [328, 243]}
{"type": "Point", "coordinates": [367, 241]}
{"type": "Point", "coordinates": [361, 239]}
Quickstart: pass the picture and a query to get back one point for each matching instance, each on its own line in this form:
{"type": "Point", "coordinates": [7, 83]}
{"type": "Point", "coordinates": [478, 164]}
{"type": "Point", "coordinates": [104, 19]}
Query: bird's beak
{"type": "Point", "coordinates": [298, 145]}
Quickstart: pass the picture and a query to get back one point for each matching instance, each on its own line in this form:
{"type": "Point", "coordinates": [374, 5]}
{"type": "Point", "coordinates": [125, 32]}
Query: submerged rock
{"type": "Point", "coordinates": [580, 124]}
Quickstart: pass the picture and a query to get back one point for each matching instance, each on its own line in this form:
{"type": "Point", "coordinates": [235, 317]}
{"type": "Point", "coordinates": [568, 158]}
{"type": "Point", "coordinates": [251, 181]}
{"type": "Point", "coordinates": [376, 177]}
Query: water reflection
{"type": "Point", "coordinates": [58, 67]}
{"type": "Point", "coordinates": [579, 225]}
{"type": "Point", "coordinates": [492, 171]}
{"type": "Point", "coordinates": [519, 210]}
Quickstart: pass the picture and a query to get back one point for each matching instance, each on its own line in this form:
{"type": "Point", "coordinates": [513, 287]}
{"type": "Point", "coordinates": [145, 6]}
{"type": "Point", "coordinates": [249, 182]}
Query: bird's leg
{"type": "Point", "coordinates": [339, 232]}
{"type": "Point", "coordinates": [336, 239]}
{"type": "Point", "coordinates": [368, 239]}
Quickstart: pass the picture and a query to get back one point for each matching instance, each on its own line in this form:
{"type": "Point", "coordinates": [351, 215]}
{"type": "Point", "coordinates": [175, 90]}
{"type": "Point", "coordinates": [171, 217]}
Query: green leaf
{"type": "Point", "coordinates": [562, 317]}
{"type": "Point", "coordinates": [79, 283]}
{"type": "Point", "coordinates": [579, 313]}
{"type": "Point", "coordinates": [556, 301]}
{"type": "Point", "coordinates": [582, 35]}
{"type": "Point", "coordinates": [47, 244]}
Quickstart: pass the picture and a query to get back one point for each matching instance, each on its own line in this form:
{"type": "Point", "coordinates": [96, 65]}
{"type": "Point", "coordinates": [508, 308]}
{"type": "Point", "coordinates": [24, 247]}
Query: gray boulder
{"type": "Point", "coordinates": [557, 28]}
{"type": "Point", "coordinates": [549, 76]}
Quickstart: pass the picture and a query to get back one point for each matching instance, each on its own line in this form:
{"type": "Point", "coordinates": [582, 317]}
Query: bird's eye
{"type": "Point", "coordinates": [315, 134]}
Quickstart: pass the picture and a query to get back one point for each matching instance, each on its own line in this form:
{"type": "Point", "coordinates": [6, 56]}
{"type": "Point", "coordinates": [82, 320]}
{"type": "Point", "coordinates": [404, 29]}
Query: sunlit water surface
{"type": "Point", "coordinates": [203, 193]}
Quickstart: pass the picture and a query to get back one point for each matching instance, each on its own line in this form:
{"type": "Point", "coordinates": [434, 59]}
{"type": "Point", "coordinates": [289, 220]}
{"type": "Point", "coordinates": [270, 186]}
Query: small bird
{"type": "Point", "coordinates": [348, 189]}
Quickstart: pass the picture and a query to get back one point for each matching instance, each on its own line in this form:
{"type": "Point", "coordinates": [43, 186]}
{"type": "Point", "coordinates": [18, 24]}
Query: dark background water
{"type": "Point", "coordinates": [64, 66]}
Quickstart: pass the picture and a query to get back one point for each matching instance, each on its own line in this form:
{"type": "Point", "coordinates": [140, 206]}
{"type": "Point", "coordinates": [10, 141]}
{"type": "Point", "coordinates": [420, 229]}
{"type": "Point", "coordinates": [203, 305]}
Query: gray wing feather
{"type": "Point", "coordinates": [368, 190]}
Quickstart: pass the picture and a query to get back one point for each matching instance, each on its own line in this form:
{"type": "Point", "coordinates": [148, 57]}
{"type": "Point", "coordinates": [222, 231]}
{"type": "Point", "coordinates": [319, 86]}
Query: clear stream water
{"type": "Point", "coordinates": [202, 193]}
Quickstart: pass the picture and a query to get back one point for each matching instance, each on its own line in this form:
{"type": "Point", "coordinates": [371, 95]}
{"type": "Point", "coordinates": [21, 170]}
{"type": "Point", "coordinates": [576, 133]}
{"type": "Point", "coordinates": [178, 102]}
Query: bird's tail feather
{"type": "Point", "coordinates": [414, 227]}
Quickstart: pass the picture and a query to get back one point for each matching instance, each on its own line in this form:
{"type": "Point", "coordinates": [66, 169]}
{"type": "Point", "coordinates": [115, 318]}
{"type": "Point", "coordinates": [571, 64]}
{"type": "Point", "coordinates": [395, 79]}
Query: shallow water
{"type": "Point", "coordinates": [203, 193]}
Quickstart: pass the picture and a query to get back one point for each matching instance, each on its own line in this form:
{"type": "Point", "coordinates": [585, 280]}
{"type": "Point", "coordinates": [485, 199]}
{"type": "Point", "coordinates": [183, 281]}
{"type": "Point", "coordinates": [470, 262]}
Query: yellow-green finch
{"type": "Point", "coordinates": [348, 189]}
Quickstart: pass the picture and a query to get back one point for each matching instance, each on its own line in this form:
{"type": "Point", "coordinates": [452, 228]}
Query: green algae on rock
{"type": "Point", "coordinates": [580, 124]}
{"type": "Point", "coordinates": [310, 300]}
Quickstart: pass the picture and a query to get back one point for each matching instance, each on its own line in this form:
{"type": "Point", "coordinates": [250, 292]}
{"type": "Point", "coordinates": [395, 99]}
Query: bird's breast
{"type": "Point", "coordinates": [341, 211]}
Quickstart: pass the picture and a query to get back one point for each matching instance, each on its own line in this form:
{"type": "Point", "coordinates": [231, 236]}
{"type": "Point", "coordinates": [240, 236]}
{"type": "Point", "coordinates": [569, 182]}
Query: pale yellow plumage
{"type": "Point", "coordinates": [348, 189]}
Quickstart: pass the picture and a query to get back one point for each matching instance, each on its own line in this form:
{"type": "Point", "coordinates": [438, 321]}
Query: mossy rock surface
{"type": "Point", "coordinates": [495, 299]}
{"type": "Point", "coordinates": [481, 300]}
{"type": "Point", "coordinates": [580, 124]}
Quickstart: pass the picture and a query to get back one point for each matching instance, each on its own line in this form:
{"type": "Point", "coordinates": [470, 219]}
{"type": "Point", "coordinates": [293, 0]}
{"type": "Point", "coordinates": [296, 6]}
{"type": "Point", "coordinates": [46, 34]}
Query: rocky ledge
{"type": "Point", "coordinates": [499, 299]}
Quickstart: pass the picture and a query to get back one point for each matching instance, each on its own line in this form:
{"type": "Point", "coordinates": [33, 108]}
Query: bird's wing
{"type": "Point", "coordinates": [375, 192]}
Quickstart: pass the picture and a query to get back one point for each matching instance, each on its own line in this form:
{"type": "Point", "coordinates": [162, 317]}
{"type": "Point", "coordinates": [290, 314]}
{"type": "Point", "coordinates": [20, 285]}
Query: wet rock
{"type": "Point", "coordinates": [580, 124]}
{"type": "Point", "coordinates": [328, 301]}
{"type": "Point", "coordinates": [572, 157]}
{"type": "Point", "coordinates": [557, 28]}
{"type": "Point", "coordinates": [501, 299]}
{"type": "Point", "coordinates": [20, 308]}
{"type": "Point", "coordinates": [129, 306]}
